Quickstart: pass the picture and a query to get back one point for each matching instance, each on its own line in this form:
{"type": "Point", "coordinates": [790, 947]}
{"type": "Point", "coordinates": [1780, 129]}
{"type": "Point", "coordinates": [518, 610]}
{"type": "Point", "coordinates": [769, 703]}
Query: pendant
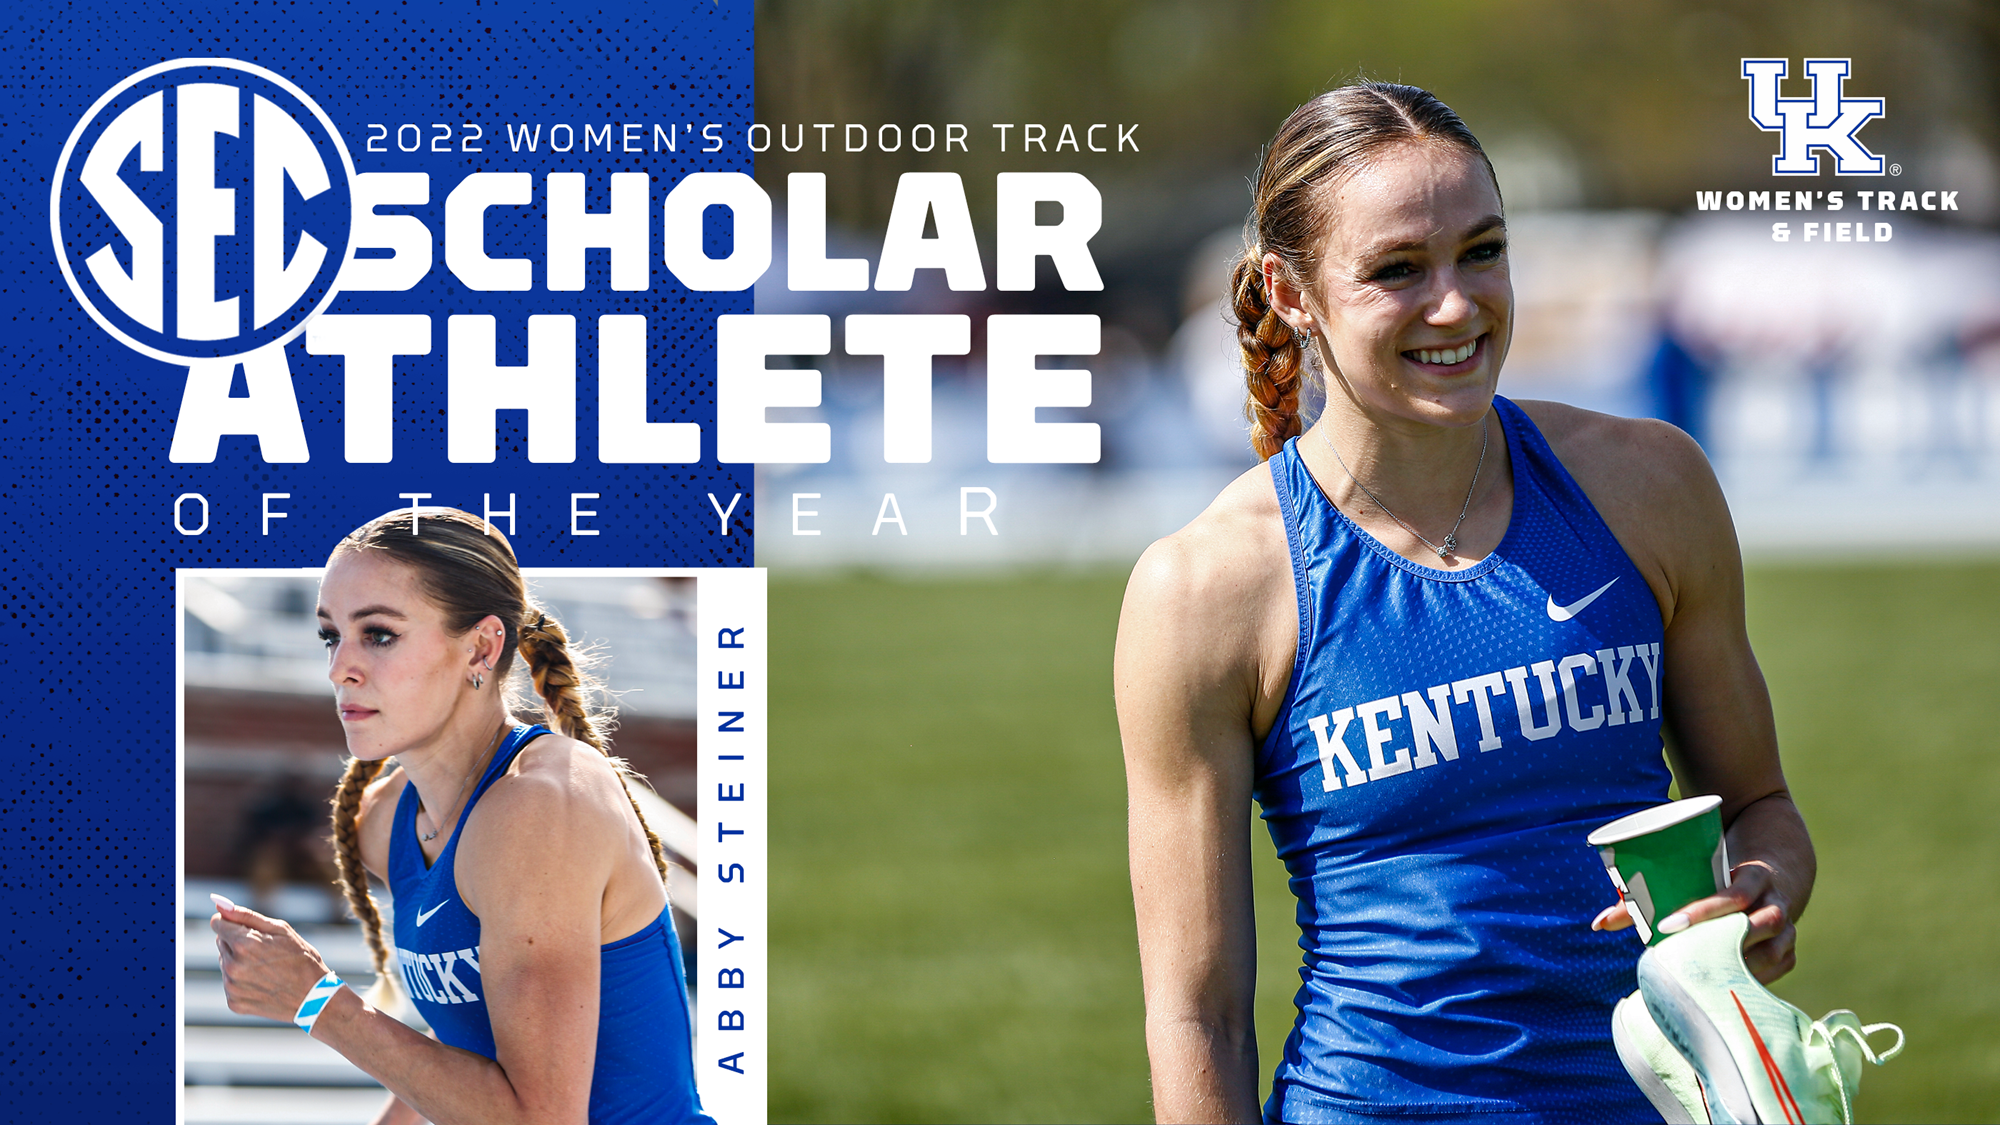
{"type": "Point", "coordinates": [1450, 545]}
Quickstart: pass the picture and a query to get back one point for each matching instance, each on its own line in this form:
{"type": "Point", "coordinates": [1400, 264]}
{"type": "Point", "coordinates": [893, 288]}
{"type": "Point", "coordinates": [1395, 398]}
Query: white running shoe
{"type": "Point", "coordinates": [1756, 1058]}
{"type": "Point", "coordinates": [1667, 1080]}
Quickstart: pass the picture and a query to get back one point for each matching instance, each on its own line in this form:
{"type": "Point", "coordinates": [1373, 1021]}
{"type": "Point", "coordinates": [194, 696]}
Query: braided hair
{"type": "Point", "coordinates": [1326, 137]}
{"type": "Point", "coordinates": [467, 568]}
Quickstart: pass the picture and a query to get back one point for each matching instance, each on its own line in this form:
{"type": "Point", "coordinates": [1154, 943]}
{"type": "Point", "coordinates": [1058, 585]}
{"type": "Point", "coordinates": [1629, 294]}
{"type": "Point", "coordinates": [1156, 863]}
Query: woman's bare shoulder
{"type": "Point", "coordinates": [1230, 551]}
{"type": "Point", "coordinates": [1211, 614]}
{"type": "Point", "coordinates": [1626, 454]}
{"type": "Point", "coordinates": [556, 816]}
{"type": "Point", "coordinates": [1653, 486]}
{"type": "Point", "coordinates": [556, 780]}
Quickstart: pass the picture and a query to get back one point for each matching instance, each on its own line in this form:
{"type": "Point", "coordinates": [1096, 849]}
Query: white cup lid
{"type": "Point", "coordinates": [1651, 820]}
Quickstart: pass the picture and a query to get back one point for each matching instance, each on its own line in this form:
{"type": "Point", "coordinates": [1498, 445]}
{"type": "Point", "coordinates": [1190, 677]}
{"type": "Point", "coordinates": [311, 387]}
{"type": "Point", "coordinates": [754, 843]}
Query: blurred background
{"type": "Point", "coordinates": [953, 932]}
{"type": "Point", "coordinates": [261, 754]}
{"type": "Point", "coordinates": [1848, 393]}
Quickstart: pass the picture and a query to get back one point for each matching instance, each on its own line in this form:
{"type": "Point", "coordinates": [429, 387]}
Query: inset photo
{"type": "Point", "coordinates": [438, 823]}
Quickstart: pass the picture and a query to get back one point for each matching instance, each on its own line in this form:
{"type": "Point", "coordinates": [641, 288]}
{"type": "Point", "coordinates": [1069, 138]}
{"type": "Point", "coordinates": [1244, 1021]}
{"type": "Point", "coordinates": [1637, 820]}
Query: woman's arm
{"type": "Point", "coordinates": [394, 1112]}
{"type": "Point", "coordinates": [1188, 688]}
{"type": "Point", "coordinates": [1659, 495]}
{"type": "Point", "coordinates": [538, 894]}
{"type": "Point", "coordinates": [267, 969]}
{"type": "Point", "coordinates": [1720, 731]}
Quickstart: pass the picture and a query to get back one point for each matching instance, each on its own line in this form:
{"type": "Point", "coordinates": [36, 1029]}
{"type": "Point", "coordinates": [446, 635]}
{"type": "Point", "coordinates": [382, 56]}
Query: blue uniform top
{"type": "Point", "coordinates": [645, 1066]}
{"type": "Point", "coordinates": [1447, 741]}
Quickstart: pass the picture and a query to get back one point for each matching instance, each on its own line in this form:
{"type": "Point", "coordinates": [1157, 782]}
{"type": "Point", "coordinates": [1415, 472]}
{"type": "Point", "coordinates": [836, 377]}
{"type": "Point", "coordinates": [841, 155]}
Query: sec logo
{"type": "Point", "coordinates": [202, 210]}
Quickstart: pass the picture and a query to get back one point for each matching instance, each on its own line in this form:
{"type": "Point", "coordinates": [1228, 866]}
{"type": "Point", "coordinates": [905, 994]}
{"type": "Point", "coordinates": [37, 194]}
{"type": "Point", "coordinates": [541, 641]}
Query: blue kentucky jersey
{"type": "Point", "coordinates": [1447, 741]}
{"type": "Point", "coordinates": [644, 1072]}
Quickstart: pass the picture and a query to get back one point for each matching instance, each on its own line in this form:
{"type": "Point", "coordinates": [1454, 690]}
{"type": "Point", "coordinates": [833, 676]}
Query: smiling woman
{"type": "Point", "coordinates": [1337, 636]}
{"type": "Point", "coordinates": [534, 936]}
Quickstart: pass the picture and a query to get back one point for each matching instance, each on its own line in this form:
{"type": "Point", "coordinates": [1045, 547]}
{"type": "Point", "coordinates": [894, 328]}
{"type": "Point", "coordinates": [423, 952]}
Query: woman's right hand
{"type": "Point", "coordinates": [267, 968]}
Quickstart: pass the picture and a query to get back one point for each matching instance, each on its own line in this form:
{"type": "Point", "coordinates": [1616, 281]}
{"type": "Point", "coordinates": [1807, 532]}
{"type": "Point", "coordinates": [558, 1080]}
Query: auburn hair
{"type": "Point", "coordinates": [1327, 137]}
{"type": "Point", "coordinates": [467, 568]}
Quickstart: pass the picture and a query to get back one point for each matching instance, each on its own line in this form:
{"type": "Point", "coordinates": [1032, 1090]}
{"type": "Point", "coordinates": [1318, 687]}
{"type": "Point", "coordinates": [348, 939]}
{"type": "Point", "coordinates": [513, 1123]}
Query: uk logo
{"type": "Point", "coordinates": [1827, 121]}
{"type": "Point", "coordinates": [202, 211]}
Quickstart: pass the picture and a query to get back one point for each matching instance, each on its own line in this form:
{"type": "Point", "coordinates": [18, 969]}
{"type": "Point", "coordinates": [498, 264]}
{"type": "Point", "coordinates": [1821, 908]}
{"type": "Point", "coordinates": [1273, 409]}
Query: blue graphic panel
{"type": "Point", "coordinates": [88, 419]}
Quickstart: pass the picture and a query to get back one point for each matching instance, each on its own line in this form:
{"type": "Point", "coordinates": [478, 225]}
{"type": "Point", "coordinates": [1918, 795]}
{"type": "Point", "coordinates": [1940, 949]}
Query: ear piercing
{"type": "Point", "coordinates": [479, 679]}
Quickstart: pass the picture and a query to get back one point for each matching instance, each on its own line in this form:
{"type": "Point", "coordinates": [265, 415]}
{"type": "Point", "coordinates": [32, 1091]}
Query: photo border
{"type": "Point", "coordinates": [731, 646]}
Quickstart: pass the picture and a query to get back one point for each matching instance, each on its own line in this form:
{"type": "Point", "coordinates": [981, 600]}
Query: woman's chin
{"type": "Point", "coordinates": [1453, 407]}
{"type": "Point", "coordinates": [367, 749]}
{"type": "Point", "coordinates": [1461, 401]}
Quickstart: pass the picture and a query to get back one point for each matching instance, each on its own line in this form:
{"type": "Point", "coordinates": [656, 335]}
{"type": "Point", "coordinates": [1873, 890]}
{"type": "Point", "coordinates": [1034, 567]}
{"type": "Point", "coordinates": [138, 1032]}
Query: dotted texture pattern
{"type": "Point", "coordinates": [87, 843]}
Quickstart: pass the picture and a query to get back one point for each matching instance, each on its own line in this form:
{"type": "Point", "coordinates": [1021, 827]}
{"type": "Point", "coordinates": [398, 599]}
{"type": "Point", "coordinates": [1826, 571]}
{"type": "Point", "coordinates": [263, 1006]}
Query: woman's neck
{"type": "Point", "coordinates": [445, 769]}
{"type": "Point", "coordinates": [1420, 470]}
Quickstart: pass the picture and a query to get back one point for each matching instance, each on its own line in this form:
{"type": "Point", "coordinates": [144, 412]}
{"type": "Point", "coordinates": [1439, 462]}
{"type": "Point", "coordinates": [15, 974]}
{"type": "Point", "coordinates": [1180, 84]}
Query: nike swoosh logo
{"type": "Point", "coordinates": [1565, 612]}
{"type": "Point", "coordinates": [425, 915]}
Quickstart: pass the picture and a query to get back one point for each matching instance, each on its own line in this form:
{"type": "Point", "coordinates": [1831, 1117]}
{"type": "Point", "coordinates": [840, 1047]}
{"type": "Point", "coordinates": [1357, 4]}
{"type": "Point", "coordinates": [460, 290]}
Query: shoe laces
{"type": "Point", "coordinates": [1826, 1034]}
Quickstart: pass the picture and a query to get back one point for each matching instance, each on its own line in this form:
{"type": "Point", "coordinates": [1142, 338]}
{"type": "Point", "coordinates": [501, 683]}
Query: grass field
{"type": "Point", "coordinates": [952, 925]}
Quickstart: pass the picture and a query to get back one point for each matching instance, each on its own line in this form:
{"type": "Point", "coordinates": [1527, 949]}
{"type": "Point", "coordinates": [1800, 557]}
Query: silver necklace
{"type": "Point", "coordinates": [437, 825]}
{"type": "Point", "coordinates": [1450, 545]}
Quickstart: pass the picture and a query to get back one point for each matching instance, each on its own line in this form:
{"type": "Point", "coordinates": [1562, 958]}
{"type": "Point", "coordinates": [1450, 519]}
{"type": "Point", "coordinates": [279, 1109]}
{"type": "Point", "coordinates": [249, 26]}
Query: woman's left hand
{"type": "Point", "coordinates": [267, 968]}
{"type": "Point", "coordinates": [1767, 946]}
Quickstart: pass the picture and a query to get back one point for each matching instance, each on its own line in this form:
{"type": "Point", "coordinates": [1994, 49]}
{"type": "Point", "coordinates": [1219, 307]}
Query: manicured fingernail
{"type": "Point", "coordinates": [223, 903]}
{"type": "Point", "coordinates": [1673, 923]}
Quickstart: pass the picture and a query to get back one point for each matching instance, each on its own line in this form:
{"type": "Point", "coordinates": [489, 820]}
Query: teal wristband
{"type": "Point", "coordinates": [315, 1001]}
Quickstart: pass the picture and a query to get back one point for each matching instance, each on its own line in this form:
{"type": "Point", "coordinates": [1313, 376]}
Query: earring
{"type": "Point", "coordinates": [478, 681]}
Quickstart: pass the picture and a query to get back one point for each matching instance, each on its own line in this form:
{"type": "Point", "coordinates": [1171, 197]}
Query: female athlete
{"type": "Point", "coordinates": [531, 923]}
{"type": "Point", "coordinates": [1438, 637]}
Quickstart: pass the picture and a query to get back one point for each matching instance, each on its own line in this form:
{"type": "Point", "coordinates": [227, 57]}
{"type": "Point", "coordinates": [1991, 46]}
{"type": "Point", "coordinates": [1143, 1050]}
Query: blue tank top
{"type": "Point", "coordinates": [1447, 741]}
{"type": "Point", "coordinates": [645, 1064]}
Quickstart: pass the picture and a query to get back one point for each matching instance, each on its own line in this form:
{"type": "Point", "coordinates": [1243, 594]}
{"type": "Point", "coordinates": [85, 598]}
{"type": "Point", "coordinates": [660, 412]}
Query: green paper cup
{"type": "Point", "coordinates": [1665, 857]}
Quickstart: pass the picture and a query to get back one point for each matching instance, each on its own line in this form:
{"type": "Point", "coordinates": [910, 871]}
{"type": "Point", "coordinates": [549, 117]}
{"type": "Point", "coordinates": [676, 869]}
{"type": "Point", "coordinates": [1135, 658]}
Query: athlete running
{"type": "Point", "coordinates": [1438, 637]}
{"type": "Point", "coordinates": [531, 925]}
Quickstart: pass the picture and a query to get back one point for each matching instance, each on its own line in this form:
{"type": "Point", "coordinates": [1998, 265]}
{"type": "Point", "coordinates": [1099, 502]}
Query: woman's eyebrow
{"type": "Point", "coordinates": [368, 611]}
{"type": "Point", "coordinates": [1484, 225]}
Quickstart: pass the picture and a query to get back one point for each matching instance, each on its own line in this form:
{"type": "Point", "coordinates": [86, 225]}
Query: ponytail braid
{"type": "Point", "coordinates": [347, 855]}
{"type": "Point", "coordinates": [1273, 361]}
{"type": "Point", "coordinates": [561, 684]}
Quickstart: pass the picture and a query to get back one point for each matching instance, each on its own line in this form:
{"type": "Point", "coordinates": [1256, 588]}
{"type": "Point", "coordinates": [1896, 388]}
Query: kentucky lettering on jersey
{"type": "Point", "coordinates": [1432, 733]}
{"type": "Point", "coordinates": [441, 978]}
